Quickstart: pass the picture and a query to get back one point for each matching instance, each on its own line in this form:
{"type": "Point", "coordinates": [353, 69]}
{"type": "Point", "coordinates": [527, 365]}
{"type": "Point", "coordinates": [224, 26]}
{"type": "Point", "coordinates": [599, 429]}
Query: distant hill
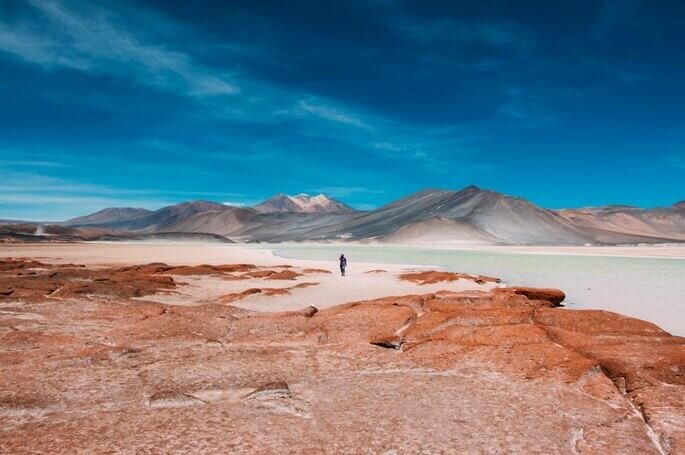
{"type": "Point", "coordinates": [666, 222]}
{"type": "Point", "coordinates": [109, 215]}
{"type": "Point", "coordinates": [469, 216]}
{"type": "Point", "coordinates": [46, 233]}
{"type": "Point", "coordinates": [501, 218]}
{"type": "Point", "coordinates": [303, 203]}
{"type": "Point", "coordinates": [162, 220]}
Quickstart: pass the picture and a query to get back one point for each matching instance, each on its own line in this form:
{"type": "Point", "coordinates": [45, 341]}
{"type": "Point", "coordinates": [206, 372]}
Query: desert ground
{"type": "Point", "coordinates": [363, 281]}
{"type": "Point", "coordinates": [187, 348]}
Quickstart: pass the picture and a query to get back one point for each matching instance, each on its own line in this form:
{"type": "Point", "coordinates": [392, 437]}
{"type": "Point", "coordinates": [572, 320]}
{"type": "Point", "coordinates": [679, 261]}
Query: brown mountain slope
{"type": "Point", "coordinates": [108, 215]}
{"type": "Point", "coordinates": [504, 218]}
{"type": "Point", "coordinates": [666, 222]}
{"type": "Point", "coordinates": [438, 230]}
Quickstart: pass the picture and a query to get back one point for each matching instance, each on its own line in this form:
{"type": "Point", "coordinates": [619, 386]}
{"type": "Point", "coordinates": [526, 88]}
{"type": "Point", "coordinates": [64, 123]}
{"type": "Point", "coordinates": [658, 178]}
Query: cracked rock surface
{"type": "Point", "coordinates": [90, 363]}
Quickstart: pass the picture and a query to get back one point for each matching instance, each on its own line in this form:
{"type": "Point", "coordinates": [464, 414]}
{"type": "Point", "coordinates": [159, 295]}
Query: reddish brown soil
{"type": "Point", "coordinates": [228, 298]}
{"type": "Point", "coordinates": [32, 281]}
{"type": "Point", "coordinates": [433, 277]}
{"type": "Point", "coordinates": [312, 271]}
{"type": "Point", "coordinates": [273, 274]}
{"type": "Point", "coordinates": [475, 372]}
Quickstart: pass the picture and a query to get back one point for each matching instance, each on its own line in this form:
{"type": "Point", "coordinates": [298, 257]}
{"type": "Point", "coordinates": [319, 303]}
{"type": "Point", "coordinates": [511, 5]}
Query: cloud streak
{"type": "Point", "coordinates": [345, 191]}
{"type": "Point", "coordinates": [58, 198]}
{"type": "Point", "coordinates": [91, 41]}
{"type": "Point", "coordinates": [68, 35]}
{"type": "Point", "coordinates": [331, 113]}
{"type": "Point", "coordinates": [30, 163]}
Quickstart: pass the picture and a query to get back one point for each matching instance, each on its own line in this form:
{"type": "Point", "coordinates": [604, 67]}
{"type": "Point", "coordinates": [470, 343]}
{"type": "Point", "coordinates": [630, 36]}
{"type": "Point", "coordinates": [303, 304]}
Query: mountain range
{"type": "Point", "coordinates": [471, 215]}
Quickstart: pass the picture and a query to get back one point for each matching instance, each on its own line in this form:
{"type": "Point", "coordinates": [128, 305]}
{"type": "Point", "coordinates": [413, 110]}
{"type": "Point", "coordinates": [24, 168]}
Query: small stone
{"type": "Point", "coordinates": [171, 399]}
{"type": "Point", "coordinates": [270, 390]}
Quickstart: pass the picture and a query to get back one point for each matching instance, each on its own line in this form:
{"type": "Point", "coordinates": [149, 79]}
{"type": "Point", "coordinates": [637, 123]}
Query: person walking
{"type": "Point", "coordinates": [343, 264]}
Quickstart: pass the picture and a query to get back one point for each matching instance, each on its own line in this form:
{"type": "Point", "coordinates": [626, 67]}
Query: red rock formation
{"type": "Point", "coordinates": [203, 269]}
{"type": "Point", "coordinates": [473, 372]}
{"type": "Point", "coordinates": [22, 279]}
{"type": "Point", "coordinates": [284, 275]}
{"type": "Point", "coordinates": [554, 296]}
{"type": "Point", "coordinates": [310, 271]}
{"type": "Point", "coordinates": [273, 275]}
{"type": "Point", "coordinates": [433, 277]}
{"type": "Point", "coordinates": [228, 298]}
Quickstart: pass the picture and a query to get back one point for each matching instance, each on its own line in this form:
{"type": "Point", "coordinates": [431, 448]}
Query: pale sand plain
{"type": "Point", "coordinates": [585, 292]}
{"type": "Point", "coordinates": [363, 281]}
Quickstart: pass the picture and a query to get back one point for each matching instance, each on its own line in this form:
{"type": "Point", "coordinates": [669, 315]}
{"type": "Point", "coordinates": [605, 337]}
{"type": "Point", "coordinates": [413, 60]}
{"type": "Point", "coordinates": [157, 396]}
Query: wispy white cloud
{"type": "Point", "coordinates": [345, 191]}
{"type": "Point", "coordinates": [97, 41]}
{"type": "Point", "coordinates": [364, 206]}
{"type": "Point", "coordinates": [72, 35]}
{"type": "Point", "coordinates": [411, 152]}
{"type": "Point", "coordinates": [331, 113]}
{"type": "Point", "coordinates": [31, 163]}
{"type": "Point", "coordinates": [234, 204]}
{"type": "Point", "coordinates": [91, 40]}
{"type": "Point", "coordinates": [75, 200]}
{"type": "Point", "coordinates": [389, 146]}
{"type": "Point", "coordinates": [66, 34]}
{"type": "Point", "coordinates": [52, 198]}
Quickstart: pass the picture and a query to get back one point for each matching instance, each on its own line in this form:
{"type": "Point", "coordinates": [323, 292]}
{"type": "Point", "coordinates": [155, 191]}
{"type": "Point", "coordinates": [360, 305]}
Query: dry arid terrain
{"type": "Point", "coordinates": [152, 351]}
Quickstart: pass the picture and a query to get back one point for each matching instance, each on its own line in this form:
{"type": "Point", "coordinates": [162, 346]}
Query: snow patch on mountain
{"type": "Point", "coordinates": [303, 203]}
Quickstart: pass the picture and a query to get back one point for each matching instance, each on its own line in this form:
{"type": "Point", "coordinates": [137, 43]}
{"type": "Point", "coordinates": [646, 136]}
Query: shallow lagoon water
{"type": "Point", "coordinates": [652, 289]}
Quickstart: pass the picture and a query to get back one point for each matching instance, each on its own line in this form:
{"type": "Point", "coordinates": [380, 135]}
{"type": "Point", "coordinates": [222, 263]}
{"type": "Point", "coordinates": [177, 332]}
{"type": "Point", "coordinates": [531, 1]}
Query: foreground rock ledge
{"type": "Point", "coordinates": [501, 371]}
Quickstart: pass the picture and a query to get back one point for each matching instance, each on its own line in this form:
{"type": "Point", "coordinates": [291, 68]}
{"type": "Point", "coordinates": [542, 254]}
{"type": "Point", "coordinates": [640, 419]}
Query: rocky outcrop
{"type": "Point", "coordinates": [172, 398]}
{"type": "Point", "coordinates": [554, 296]}
{"type": "Point", "coordinates": [33, 280]}
{"type": "Point", "coordinates": [471, 372]}
{"type": "Point", "coordinates": [266, 291]}
{"type": "Point", "coordinates": [270, 390]}
{"type": "Point", "coordinates": [433, 277]}
{"type": "Point", "coordinates": [316, 271]}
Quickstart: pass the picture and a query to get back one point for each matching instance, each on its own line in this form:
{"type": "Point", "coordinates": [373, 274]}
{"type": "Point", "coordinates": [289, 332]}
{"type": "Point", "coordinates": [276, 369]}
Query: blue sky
{"type": "Point", "coordinates": [146, 103]}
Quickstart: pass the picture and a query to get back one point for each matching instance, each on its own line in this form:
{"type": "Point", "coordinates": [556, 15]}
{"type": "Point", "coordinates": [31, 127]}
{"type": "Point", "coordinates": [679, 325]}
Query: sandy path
{"type": "Point", "coordinates": [331, 288]}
